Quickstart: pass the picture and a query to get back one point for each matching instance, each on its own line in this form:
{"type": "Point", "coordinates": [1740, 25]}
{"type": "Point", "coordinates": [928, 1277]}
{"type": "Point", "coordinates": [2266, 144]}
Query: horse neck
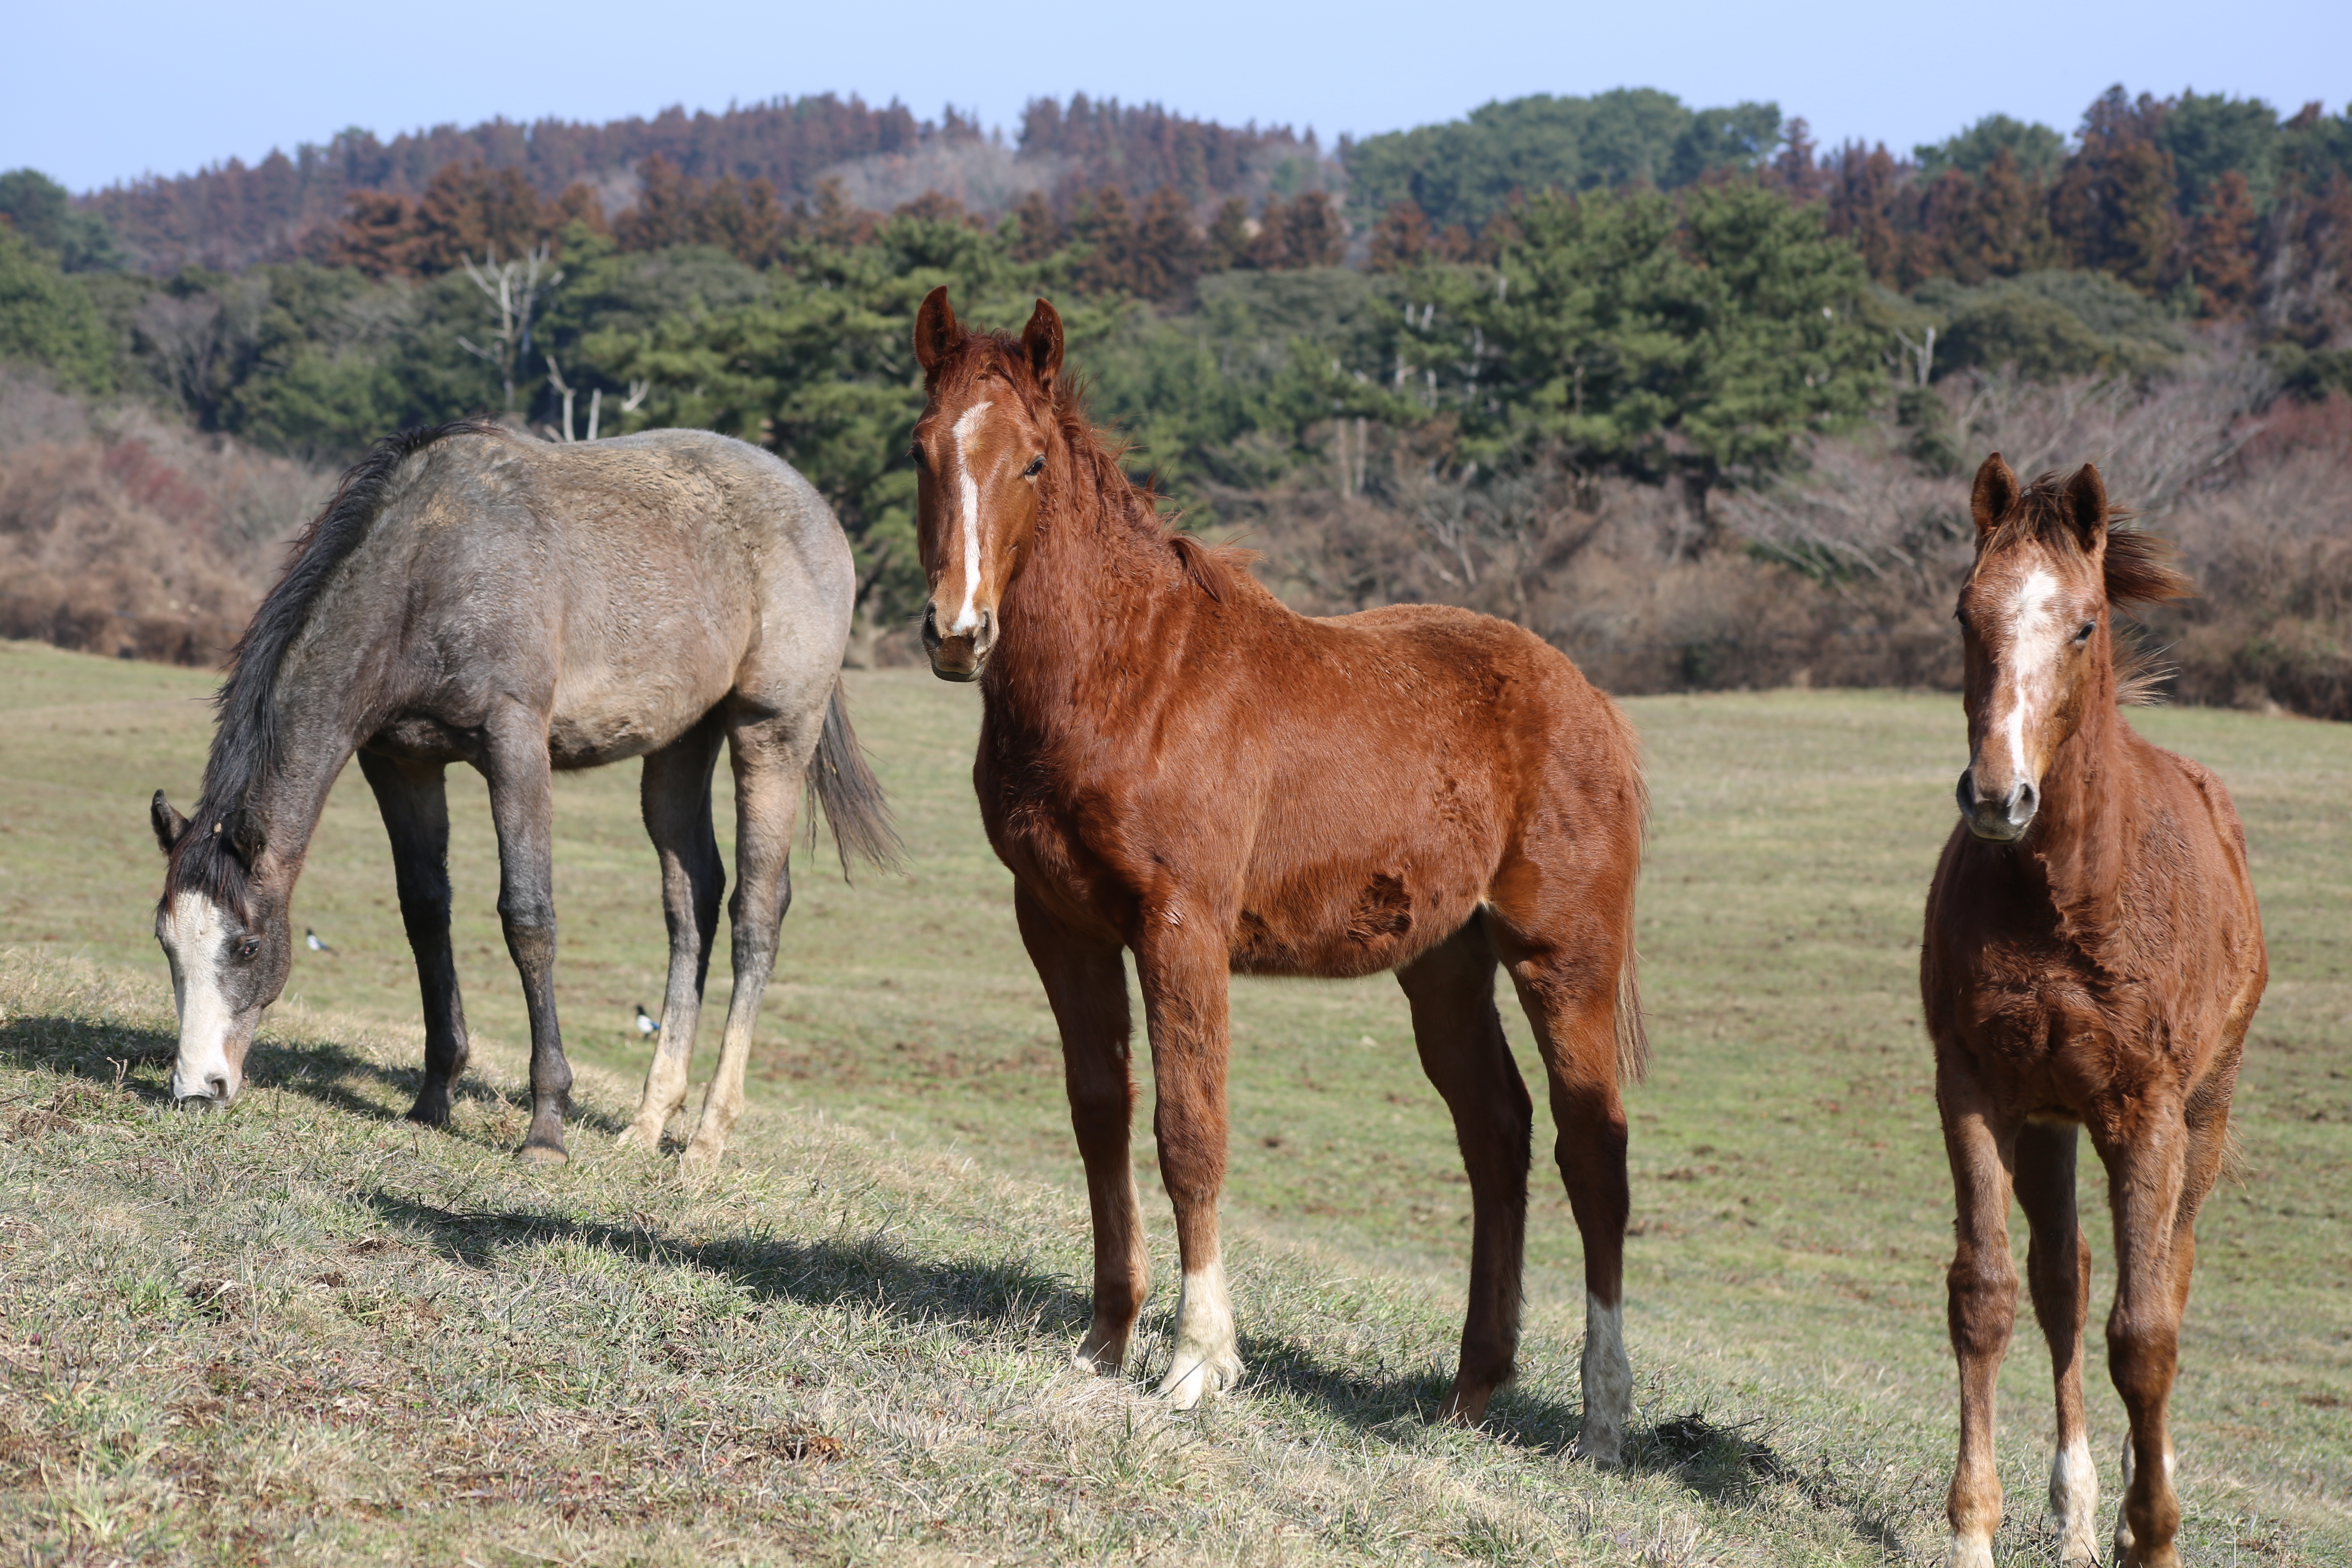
{"type": "Point", "coordinates": [2084, 826]}
{"type": "Point", "coordinates": [1095, 606]}
{"type": "Point", "coordinates": [324, 708]}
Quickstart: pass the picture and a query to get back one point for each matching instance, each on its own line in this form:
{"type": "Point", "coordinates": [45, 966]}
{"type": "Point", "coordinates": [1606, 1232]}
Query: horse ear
{"type": "Point", "coordinates": [1994, 493]}
{"type": "Point", "coordinates": [2086, 505]}
{"type": "Point", "coordinates": [168, 823]}
{"type": "Point", "coordinates": [937, 332]}
{"type": "Point", "coordinates": [1040, 339]}
{"type": "Point", "coordinates": [245, 835]}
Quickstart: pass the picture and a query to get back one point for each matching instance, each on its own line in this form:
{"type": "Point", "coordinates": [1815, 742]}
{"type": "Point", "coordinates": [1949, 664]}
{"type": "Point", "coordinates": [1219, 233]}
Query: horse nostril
{"type": "Point", "coordinates": [987, 629]}
{"type": "Point", "coordinates": [2022, 800]}
{"type": "Point", "coordinates": [931, 627]}
{"type": "Point", "coordinates": [216, 1087]}
{"type": "Point", "coordinates": [1966, 793]}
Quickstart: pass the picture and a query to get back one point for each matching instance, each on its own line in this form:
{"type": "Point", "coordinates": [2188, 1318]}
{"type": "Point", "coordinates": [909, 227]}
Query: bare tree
{"type": "Point", "coordinates": [516, 289]}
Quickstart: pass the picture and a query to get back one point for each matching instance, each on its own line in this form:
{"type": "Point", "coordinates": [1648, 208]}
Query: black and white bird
{"type": "Point", "coordinates": [645, 1023]}
{"type": "Point", "coordinates": [316, 944]}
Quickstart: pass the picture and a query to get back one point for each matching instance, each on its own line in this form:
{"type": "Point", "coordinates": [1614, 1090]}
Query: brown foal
{"type": "Point", "coordinates": [1173, 764]}
{"type": "Point", "coordinates": [2092, 957]}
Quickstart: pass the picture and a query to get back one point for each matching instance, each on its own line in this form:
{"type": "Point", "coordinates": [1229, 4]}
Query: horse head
{"type": "Point", "coordinates": [225, 923]}
{"type": "Point", "coordinates": [2034, 625]}
{"type": "Point", "coordinates": [988, 430]}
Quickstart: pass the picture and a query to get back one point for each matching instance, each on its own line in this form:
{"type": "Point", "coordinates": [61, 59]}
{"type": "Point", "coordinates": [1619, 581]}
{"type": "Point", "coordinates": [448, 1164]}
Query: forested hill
{"type": "Point", "coordinates": [231, 214]}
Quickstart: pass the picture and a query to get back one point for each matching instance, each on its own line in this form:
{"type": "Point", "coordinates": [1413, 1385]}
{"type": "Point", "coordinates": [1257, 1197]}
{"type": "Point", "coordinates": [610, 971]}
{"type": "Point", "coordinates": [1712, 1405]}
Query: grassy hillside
{"type": "Point", "coordinates": [284, 1331]}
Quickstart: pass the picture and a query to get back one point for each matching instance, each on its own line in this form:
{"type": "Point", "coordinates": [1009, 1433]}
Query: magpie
{"type": "Point", "coordinates": [645, 1024]}
{"type": "Point", "coordinates": [312, 938]}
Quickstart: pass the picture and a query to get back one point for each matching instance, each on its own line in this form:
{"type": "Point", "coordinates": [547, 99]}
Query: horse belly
{"type": "Point", "coordinates": [1350, 922]}
{"type": "Point", "coordinates": [605, 712]}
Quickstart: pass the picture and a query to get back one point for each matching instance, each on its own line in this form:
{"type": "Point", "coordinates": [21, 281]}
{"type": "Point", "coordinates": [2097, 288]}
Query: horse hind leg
{"type": "Point", "coordinates": [769, 764]}
{"type": "Point", "coordinates": [1456, 1027]}
{"type": "Point", "coordinates": [415, 802]}
{"type": "Point", "coordinates": [1571, 997]}
{"type": "Point", "coordinates": [676, 797]}
{"type": "Point", "coordinates": [2058, 1270]}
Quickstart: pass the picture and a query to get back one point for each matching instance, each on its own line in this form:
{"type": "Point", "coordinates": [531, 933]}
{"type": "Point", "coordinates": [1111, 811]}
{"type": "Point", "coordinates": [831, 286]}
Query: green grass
{"type": "Point", "coordinates": [893, 1257]}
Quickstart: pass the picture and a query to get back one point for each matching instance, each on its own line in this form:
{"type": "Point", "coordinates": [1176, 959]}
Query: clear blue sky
{"type": "Point", "coordinates": [139, 86]}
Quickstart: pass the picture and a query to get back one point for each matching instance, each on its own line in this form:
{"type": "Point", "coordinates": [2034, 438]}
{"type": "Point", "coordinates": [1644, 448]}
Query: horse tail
{"type": "Point", "coordinates": [1632, 1037]}
{"type": "Point", "coordinates": [850, 796]}
{"type": "Point", "coordinates": [1633, 1034]}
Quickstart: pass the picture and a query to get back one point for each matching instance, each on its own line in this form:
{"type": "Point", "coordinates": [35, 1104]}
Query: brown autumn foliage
{"type": "Point", "coordinates": [122, 535]}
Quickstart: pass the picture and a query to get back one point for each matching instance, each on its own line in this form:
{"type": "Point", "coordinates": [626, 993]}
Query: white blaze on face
{"type": "Point", "coordinates": [2073, 1499]}
{"type": "Point", "coordinates": [2035, 636]}
{"type": "Point", "coordinates": [1207, 1359]}
{"type": "Point", "coordinates": [194, 931]}
{"type": "Point", "coordinates": [1608, 1379]}
{"type": "Point", "coordinates": [968, 619]}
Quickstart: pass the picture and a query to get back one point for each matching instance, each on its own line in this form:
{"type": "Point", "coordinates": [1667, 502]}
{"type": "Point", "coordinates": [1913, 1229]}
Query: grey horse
{"type": "Point", "coordinates": [473, 595]}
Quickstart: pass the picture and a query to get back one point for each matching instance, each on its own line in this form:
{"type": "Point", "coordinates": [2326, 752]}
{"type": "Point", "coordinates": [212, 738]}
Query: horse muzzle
{"type": "Point", "coordinates": [206, 1087]}
{"type": "Point", "coordinates": [960, 656]}
{"type": "Point", "coordinates": [1998, 818]}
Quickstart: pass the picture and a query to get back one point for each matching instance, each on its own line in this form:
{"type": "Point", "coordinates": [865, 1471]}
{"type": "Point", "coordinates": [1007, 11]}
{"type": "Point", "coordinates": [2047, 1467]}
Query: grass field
{"type": "Point", "coordinates": [305, 1331]}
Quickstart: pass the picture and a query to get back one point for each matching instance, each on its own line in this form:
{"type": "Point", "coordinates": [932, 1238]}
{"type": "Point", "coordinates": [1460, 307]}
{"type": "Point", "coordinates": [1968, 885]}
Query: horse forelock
{"type": "Point", "coordinates": [2136, 567]}
{"type": "Point", "coordinates": [205, 863]}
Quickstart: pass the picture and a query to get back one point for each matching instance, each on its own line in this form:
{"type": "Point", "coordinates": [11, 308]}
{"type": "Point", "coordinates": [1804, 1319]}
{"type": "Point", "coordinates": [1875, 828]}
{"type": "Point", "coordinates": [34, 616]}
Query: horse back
{"type": "Point", "coordinates": [628, 585]}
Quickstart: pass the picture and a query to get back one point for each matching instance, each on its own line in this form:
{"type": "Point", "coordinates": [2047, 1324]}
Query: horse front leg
{"type": "Point", "coordinates": [2058, 1270]}
{"type": "Point", "coordinates": [1085, 982]}
{"type": "Point", "coordinates": [1182, 970]}
{"type": "Point", "coordinates": [414, 800]}
{"type": "Point", "coordinates": [674, 796]}
{"type": "Point", "coordinates": [1982, 1298]}
{"type": "Point", "coordinates": [768, 773]}
{"type": "Point", "coordinates": [522, 807]}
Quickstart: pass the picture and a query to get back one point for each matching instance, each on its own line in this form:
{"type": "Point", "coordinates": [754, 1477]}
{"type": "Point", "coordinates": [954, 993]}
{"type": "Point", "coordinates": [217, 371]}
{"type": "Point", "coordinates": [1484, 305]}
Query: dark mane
{"type": "Point", "coordinates": [1099, 456]}
{"type": "Point", "coordinates": [2139, 567]}
{"type": "Point", "coordinates": [214, 856]}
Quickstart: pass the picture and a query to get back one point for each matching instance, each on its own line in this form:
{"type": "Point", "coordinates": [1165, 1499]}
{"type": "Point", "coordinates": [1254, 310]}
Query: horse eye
{"type": "Point", "coordinates": [917, 453]}
{"type": "Point", "coordinates": [2084, 635]}
{"type": "Point", "coordinates": [249, 947]}
{"type": "Point", "coordinates": [1036, 466]}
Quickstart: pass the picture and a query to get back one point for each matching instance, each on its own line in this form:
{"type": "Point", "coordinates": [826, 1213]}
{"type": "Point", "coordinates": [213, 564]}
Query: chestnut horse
{"type": "Point", "coordinates": [1173, 763]}
{"type": "Point", "coordinates": [2092, 957]}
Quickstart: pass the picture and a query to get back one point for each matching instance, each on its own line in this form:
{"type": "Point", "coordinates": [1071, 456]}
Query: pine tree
{"type": "Point", "coordinates": [1229, 237]}
{"type": "Point", "coordinates": [1033, 232]}
{"type": "Point", "coordinates": [377, 235]}
{"type": "Point", "coordinates": [1107, 232]}
{"type": "Point", "coordinates": [1401, 239]}
{"type": "Point", "coordinates": [2112, 209]}
{"type": "Point", "coordinates": [1167, 249]}
{"type": "Point", "coordinates": [2222, 246]}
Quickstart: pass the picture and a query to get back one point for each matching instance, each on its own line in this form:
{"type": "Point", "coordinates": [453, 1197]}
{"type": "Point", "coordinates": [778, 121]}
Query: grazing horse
{"type": "Point", "coordinates": [2092, 957]}
{"type": "Point", "coordinates": [1173, 763]}
{"type": "Point", "coordinates": [471, 594]}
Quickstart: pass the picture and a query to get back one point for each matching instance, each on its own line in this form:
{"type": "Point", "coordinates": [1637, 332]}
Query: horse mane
{"type": "Point", "coordinates": [245, 742]}
{"type": "Point", "coordinates": [1099, 456]}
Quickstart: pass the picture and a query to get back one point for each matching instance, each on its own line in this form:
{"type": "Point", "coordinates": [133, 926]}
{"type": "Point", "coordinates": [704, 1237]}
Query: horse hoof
{"type": "Point", "coordinates": [543, 1154]}
{"type": "Point", "coordinates": [1193, 1381]}
{"type": "Point", "coordinates": [1601, 1446]}
{"type": "Point", "coordinates": [1105, 1357]}
{"type": "Point", "coordinates": [635, 1136]}
{"type": "Point", "coordinates": [698, 1160]}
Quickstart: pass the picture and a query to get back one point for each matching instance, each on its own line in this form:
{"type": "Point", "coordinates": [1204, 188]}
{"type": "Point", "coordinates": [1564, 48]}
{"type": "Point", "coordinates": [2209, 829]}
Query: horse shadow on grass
{"type": "Point", "coordinates": [1727, 1463]}
{"type": "Point", "coordinates": [322, 1071]}
{"type": "Point", "coordinates": [987, 1293]}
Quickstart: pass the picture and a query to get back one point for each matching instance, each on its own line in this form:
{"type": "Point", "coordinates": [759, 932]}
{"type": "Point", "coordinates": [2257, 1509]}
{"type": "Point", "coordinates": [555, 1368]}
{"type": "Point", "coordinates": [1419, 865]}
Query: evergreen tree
{"type": "Point", "coordinates": [48, 319]}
